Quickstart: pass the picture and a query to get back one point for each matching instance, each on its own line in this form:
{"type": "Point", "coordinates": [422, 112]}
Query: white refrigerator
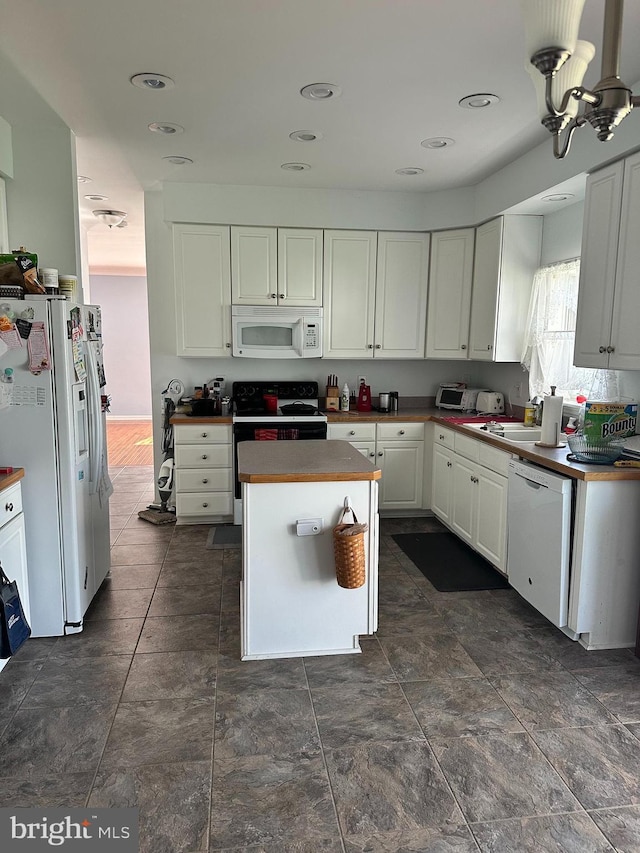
{"type": "Point", "coordinates": [53, 426]}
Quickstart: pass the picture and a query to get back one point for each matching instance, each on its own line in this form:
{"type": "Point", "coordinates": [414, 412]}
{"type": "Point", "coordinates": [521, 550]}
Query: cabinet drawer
{"type": "Point", "coordinates": [467, 447]}
{"type": "Point", "coordinates": [203, 503]}
{"type": "Point", "coordinates": [401, 432]}
{"type": "Point", "coordinates": [494, 459]}
{"type": "Point", "coordinates": [444, 436]}
{"type": "Point", "coordinates": [203, 456]}
{"type": "Point", "coordinates": [215, 480]}
{"type": "Point", "coordinates": [352, 432]}
{"type": "Point", "coordinates": [10, 503]}
{"type": "Point", "coordinates": [202, 433]}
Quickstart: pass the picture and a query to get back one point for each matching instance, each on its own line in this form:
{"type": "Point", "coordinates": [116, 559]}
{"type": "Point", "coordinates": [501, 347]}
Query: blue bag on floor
{"type": "Point", "coordinates": [14, 628]}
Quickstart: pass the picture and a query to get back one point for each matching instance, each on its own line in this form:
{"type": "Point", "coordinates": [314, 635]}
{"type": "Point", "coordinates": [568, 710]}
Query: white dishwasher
{"type": "Point", "coordinates": [539, 544]}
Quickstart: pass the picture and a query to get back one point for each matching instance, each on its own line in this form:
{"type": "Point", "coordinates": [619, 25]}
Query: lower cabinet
{"type": "Point", "coordinates": [13, 550]}
{"type": "Point", "coordinates": [203, 473]}
{"type": "Point", "coordinates": [398, 450]}
{"type": "Point", "coordinates": [470, 492]}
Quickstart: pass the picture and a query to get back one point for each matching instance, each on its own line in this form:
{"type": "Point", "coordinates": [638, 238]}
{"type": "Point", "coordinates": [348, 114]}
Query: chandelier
{"type": "Point", "coordinates": [111, 217]}
{"type": "Point", "coordinates": [551, 28]}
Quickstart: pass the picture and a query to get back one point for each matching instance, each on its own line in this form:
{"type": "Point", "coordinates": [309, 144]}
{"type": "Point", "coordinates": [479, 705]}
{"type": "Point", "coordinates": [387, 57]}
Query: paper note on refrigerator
{"type": "Point", "coordinates": [78, 355]}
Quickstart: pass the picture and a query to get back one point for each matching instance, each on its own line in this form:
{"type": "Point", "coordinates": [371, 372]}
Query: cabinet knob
{"type": "Point", "coordinates": [369, 346]}
{"type": "Point", "coordinates": [352, 432]}
{"type": "Point", "coordinates": [378, 346]}
{"type": "Point", "coordinates": [611, 349]}
{"type": "Point", "coordinates": [380, 453]}
{"type": "Point", "coordinates": [489, 346]}
{"type": "Point", "coordinates": [464, 346]}
{"type": "Point", "coordinates": [204, 456]}
{"type": "Point", "coordinates": [204, 434]}
{"type": "Point", "coordinates": [602, 349]}
{"type": "Point", "coordinates": [441, 437]}
{"type": "Point", "coordinates": [449, 464]}
{"type": "Point", "coordinates": [228, 346]}
{"type": "Point", "coordinates": [372, 453]}
{"type": "Point", "coordinates": [8, 507]}
{"type": "Point", "coordinates": [205, 480]}
{"type": "Point", "coordinates": [401, 432]}
{"type": "Point", "coordinates": [274, 295]}
{"type": "Point", "coordinates": [205, 504]}
{"type": "Point", "coordinates": [282, 296]}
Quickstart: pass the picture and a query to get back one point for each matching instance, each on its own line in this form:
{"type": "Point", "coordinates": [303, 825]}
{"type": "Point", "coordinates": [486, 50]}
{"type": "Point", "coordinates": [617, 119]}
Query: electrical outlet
{"type": "Point", "coordinates": [518, 389]}
{"type": "Point", "coordinates": [362, 380]}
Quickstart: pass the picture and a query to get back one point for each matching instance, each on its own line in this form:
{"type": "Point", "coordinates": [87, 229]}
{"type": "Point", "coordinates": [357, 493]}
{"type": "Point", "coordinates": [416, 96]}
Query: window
{"type": "Point", "coordinates": [550, 336]}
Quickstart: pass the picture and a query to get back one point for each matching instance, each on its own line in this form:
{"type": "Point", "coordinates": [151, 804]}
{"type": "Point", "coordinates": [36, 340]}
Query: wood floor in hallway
{"type": "Point", "coordinates": [129, 442]}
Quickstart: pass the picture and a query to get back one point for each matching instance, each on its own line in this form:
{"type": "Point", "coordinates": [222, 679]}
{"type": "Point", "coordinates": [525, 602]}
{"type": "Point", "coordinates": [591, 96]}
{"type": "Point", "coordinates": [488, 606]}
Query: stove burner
{"type": "Point", "coordinates": [248, 397]}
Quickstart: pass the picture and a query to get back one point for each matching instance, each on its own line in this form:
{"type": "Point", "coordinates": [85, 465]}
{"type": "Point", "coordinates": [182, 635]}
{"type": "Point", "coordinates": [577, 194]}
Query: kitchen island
{"type": "Point", "coordinates": [293, 494]}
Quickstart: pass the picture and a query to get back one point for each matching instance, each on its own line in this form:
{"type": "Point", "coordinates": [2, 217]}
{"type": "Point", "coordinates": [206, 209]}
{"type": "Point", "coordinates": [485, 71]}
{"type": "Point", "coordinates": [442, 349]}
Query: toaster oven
{"type": "Point", "coordinates": [461, 399]}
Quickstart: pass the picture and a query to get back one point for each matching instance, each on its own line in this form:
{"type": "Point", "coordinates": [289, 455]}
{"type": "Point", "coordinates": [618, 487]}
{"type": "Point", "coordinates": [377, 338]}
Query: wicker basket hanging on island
{"type": "Point", "coordinates": [349, 552]}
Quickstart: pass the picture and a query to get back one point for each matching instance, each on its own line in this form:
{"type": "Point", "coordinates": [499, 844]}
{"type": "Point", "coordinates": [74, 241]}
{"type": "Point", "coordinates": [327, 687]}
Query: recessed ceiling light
{"type": "Point", "coordinates": [321, 91]}
{"type": "Point", "coordinates": [478, 102]}
{"type": "Point", "coordinates": [82, 179]}
{"type": "Point", "coordinates": [177, 160]}
{"type": "Point", "coordinates": [410, 170]}
{"type": "Point", "coordinates": [165, 127]}
{"type": "Point", "coordinates": [97, 197]}
{"type": "Point", "coordinates": [438, 142]}
{"type": "Point", "coordinates": [295, 167]}
{"type": "Point", "coordinates": [155, 82]}
{"type": "Point", "coordinates": [305, 135]}
{"type": "Point", "coordinates": [557, 197]}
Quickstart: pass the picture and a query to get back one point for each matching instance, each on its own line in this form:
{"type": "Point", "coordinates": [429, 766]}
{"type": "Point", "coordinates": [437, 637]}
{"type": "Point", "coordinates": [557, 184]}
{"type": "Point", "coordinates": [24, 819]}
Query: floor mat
{"type": "Point", "coordinates": [449, 564]}
{"type": "Point", "coordinates": [224, 536]}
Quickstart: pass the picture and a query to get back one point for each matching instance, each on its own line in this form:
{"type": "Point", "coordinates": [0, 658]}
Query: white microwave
{"type": "Point", "coordinates": [267, 332]}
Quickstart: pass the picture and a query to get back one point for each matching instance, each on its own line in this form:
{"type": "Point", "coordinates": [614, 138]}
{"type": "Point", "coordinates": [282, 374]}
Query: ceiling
{"type": "Point", "coordinates": [239, 66]}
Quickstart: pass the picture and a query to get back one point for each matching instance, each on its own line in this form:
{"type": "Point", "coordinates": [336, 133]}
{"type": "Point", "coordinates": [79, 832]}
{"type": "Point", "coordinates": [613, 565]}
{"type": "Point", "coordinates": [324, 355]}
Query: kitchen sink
{"type": "Point", "coordinates": [510, 431]}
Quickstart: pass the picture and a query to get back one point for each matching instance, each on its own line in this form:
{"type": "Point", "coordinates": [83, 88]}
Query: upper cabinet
{"type": "Point", "coordinates": [609, 296]}
{"type": "Point", "coordinates": [507, 254]}
{"type": "Point", "coordinates": [202, 270]}
{"type": "Point", "coordinates": [450, 280]}
{"type": "Point", "coordinates": [375, 292]}
{"type": "Point", "coordinates": [276, 266]}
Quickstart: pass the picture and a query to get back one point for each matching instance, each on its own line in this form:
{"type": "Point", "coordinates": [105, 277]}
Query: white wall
{"type": "Point", "coordinates": [125, 332]}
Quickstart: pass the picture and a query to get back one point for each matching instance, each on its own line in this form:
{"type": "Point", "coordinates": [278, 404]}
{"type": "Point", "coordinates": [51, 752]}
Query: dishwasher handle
{"type": "Point", "coordinates": [531, 483]}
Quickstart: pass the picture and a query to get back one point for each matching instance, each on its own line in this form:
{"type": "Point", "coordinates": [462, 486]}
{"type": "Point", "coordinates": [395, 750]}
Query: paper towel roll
{"type": "Point", "coordinates": [551, 420]}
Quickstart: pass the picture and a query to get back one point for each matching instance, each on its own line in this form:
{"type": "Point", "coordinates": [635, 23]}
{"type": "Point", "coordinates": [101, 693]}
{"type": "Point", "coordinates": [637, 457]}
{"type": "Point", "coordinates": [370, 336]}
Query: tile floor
{"type": "Point", "coordinates": [467, 724]}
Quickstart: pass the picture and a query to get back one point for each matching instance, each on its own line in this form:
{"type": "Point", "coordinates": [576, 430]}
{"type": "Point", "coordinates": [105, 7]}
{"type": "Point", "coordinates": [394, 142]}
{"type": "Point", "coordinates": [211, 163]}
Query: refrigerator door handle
{"type": "Point", "coordinates": [96, 437]}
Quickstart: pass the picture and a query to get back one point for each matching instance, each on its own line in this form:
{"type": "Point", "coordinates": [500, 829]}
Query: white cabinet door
{"type": "Point", "coordinates": [598, 266]}
{"type": "Point", "coordinates": [449, 302]}
{"type": "Point", "coordinates": [401, 483]}
{"type": "Point", "coordinates": [442, 490]}
{"type": "Point", "coordinates": [254, 269]}
{"type": "Point", "coordinates": [625, 341]}
{"type": "Point", "coordinates": [464, 498]}
{"type": "Point", "coordinates": [401, 294]}
{"type": "Point", "coordinates": [13, 557]}
{"type": "Point", "coordinates": [486, 278]}
{"type": "Point", "coordinates": [490, 536]}
{"type": "Point", "coordinates": [300, 267]}
{"type": "Point", "coordinates": [202, 273]}
{"type": "Point", "coordinates": [349, 275]}
{"type": "Point", "coordinates": [367, 448]}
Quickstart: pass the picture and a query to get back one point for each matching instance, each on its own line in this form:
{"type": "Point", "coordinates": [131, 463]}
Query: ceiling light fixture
{"type": "Point", "coordinates": [410, 170]}
{"type": "Point", "coordinates": [479, 101]}
{"type": "Point", "coordinates": [97, 197]}
{"type": "Point", "coordinates": [305, 136]}
{"type": "Point", "coordinates": [178, 160]}
{"type": "Point", "coordinates": [153, 82]}
{"type": "Point", "coordinates": [558, 197]}
{"type": "Point", "coordinates": [321, 91]}
{"type": "Point", "coordinates": [110, 217]}
{"type": "Point", "coordinates": [438, 142]}
{"type": "Point", "coordinates": [551, 28]}
{"type": "Point", "coordinates": [123, 224]}
{"type": "Point", "coordinates": [82, 179]}
{"type": "Point", "coordinates": [295, 167]}
{"type": "Point", "coordinates": [165, 127]}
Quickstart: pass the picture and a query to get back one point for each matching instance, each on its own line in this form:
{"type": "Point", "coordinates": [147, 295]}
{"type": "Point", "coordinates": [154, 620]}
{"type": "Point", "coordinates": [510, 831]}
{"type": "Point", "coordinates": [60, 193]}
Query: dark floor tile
{"type": "Point", "coordinates": [179, 633]}
{"type": "Point", "coordinates": [35, 648]}
{"type": "Point", "coordinates": [38, 743]}
{"type": "Point", "coordinates": [149, 535]}
{"type": "Point", "coordinates": [191, 573]}
{"type": "Point", "coordinates": [438, 654]}
{"type": "Point", "coordinates": [621, 826]}
{"type": "Point", "coordinates": [171, 675]}
{"type": "Point", "coordinates": [568, 833]}
{"type": "Point", "coordinates": [262, 800]}
{"type": "Point", "coordinates": [503, 652]}
{"type": "Point", "coordinates": [369, 667]}
{"type": "Point", "coordinates": [134, 555]}
{"type": "Point", "coordinates": [65, 790]}
{"type": "Point", "coordinates": [400, 590]}
{"type": "Point", "coordinates": [501, 776]}
{"type": "Point", "coordinates": [349, 715]}
{"type": "Point", "coordinates": [132, 577]}
{"type": "Point", "coordinates": [318, 845]}
{"type": "Point", "coordinates": [100, 637]}
{"type": "Point", "coordinates": [173, 800]}
{"type": "Point", "coordinates": [459, 707]}
{"type": "Point", "coordinates": [469, 613]}
{"type": "Point", "coordinates": [185, 601]}
{"type": "Point", "coordinates": [617, 687]}
{"type": "Point", "coordinates": [549, 700]}
{"type": "Point", "coordinates": [265, 722]}
{"type": "Point", "coordinates": [417, 621]}
{"type": "Point", "coordinates": [78, 681]}
{"type": "Point", "coordinates": [387, 787]}
{"type": "Point", "coordinates": [235, 676]}
{"type": "Point", "coordinates": [517, 608]}
{"type": "Point", "coordinates": [15, 680]}
{"type": "Point", "coordinates": [119, 604]}
{"type": "Point", "coordinates": [599, 764]}
{"type": "Point", "coordinates": [574, 656]}
{"type": "Point", "coordinates": [446, 839]}
{"type": "Point", "coordinates": [159, 732]}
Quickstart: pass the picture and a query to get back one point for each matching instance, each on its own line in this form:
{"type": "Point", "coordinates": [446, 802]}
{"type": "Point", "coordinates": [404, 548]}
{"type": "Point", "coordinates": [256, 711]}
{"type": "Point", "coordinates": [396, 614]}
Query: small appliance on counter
{"type": "Point", "coordinates": [490, 403]}
{"type": "Point", "coordinates": [364, 398]}
{"type": "Point", "coordinates": [455, 395]}
{"type": "Point", "coordinates": [384, 401]}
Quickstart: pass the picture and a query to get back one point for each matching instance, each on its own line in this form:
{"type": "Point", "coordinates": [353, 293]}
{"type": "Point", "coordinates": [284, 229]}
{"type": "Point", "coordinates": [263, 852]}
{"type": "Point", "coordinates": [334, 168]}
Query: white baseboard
{"type": "Point", "coordinates": [112, 417]}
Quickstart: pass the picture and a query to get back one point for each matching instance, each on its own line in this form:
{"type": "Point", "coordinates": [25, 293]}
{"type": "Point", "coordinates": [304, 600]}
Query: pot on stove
{"type": "Point", "coordinates": [298, 408]}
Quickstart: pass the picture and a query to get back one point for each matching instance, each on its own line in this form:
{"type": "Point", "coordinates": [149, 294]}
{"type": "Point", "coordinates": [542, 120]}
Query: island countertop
{"type": "Point", "coordinates": [302, 462]}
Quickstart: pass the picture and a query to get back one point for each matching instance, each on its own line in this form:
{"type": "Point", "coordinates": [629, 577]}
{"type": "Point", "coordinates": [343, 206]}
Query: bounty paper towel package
{"type": "Point", "coordinates": [610, 420]}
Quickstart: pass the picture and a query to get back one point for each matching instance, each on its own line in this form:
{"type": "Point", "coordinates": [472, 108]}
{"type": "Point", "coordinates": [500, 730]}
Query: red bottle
{"type": "Point", "coordinates": [364, 398]}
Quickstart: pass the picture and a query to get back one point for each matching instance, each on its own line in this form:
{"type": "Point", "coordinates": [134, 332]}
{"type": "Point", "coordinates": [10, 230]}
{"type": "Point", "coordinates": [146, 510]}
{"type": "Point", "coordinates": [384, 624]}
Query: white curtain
{"type": "Point", "coordinates": [550, 336]}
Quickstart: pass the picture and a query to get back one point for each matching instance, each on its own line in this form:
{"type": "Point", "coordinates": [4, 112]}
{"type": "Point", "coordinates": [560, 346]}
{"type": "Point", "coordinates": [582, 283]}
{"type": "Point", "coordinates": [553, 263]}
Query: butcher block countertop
{"type": "Point", "coordinates": [7, 480]}
{"type": "Point", "coordinates": [302, 462]}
